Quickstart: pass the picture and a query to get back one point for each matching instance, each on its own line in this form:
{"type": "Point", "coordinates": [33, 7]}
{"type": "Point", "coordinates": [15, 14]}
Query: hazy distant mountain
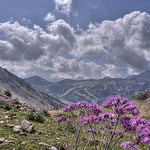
{"type": "Point", "coordinates": [95, 90]}
{"type": "Point", "coordinates": [142, 76]}
{"type": "Point", "coordinates": [24, 91]}
{"type": "Point", "coordinates": [37, 81]}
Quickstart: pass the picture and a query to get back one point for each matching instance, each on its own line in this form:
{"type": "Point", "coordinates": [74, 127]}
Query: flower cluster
{"type": "Point", "coordinates": [61, 118]}
{"type": "Point", "coordinates": [123, 114]}
{"type": "Point", "coordinates": [129, 145]}
{"type": "Point", "coordinates": [121, 106]}
{"type": "Point", "coordinates": [91, 130]}
{"type": "Point", "coordinates": [90, 120]}
{"type": "Point", "coordinates": [83, 108]}
{"type": "Point", "coordinates": [126, 124]}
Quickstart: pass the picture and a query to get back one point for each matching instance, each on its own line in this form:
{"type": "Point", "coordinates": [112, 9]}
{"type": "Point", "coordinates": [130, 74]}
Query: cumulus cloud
{"type": "Point", "coordinates": [56, 68]}
{"type": "Point", "coordinates": [21, 43]}
{"type": "Point", "coordinates": [124, 43]}
{"type": "Point", "coordinates": [49, 17]}
{"type": "Point", "coordinates": [75, 68]}
{"type": "Point", "coordinates": [64, 6]}
{"type": "Point", "coordinates": [111, 48]}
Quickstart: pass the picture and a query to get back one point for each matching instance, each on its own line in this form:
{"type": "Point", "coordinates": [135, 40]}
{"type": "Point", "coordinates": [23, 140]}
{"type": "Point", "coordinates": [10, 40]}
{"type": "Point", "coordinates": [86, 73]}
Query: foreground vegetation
{"type": "Point", "coordinates": [51, 129]}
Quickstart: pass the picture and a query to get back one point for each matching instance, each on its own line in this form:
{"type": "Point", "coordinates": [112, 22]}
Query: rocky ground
{"type": "Point", "coordinates": [18, 133]}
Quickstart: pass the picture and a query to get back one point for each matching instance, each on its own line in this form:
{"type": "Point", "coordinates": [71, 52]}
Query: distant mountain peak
{"type": "Point", "coordinates": [38, 81]}
{"type": "Point", "coordinates": [142, 76]}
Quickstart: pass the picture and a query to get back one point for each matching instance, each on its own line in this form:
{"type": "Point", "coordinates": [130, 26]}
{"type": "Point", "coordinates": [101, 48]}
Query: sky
{"type": "Point", "coordinates": [75, 39]}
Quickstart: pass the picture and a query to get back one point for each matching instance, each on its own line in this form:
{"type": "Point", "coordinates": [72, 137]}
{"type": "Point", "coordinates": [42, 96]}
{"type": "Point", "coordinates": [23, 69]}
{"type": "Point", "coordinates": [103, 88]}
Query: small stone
{"type": "Point", "coordinates": [27, 126]}
{"type": "Point", "coordinates": [1, 121]}
{"type": "Point", "coordinates": [53, 148]}
{"type": "Point", "coordinates": [17, 129]}
{"type": "Point", "coordinates": [22, 133]}
{"type": "Point", "coordinates": [12, 138]}
{"type": "Point", "coordinates": [6, 117]}
{"type": "Point", "coordinates": [23, 143]}
{"type": "Point", "coordinates": [13, 117]}
{"type": "Point", "coordinates": [10, 125]}
{"type": "Point", "coordinates": [7, 143]}
{"type": "Point", "coordinates": [44, 144]}
{"type": "Point", "coordinates": [2, 140]}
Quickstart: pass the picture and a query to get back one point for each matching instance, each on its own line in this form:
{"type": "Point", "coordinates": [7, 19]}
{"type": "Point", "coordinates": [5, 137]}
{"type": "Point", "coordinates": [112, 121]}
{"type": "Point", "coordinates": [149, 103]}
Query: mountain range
{"type": "Point", "coordinates": [92, 90]}
{"type": "Point", "coordinates": [25, 92]}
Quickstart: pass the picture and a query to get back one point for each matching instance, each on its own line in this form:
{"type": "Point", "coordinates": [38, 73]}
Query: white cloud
{"type": "Point", "coordinates": [64, 6]}
{"type": "Point", "coordinates": [124, 43]}
{"type": "Point", "coordinates": [31, 44]}
{"type": "Point", "coordinates": [111, 48]}
{"type": "Point", "coordinates": [55, 68]}
{"type": "Point", "coordinates": [75, 68]}
{"type": "Point", "coordinates": [50, 17]}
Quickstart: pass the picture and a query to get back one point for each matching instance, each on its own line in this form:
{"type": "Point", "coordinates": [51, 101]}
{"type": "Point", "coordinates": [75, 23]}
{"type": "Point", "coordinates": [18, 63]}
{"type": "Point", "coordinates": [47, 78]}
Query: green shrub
{"type": "Point", "coordinates": [35, 117]}
{"type": "Point", "coordinates": [5, 105]}
{"type": "Point", "coordinates": [8, 93]}
{"type": "Point", "coordinates": [30, 116]}
{"type": "Point", "coordinates": [46, 113]}
{"type": "Point", "coordinates": [39, 118]}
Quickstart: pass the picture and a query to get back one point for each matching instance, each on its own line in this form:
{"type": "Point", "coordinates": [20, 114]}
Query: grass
{"type": "Point", "coordinates": [53, 132]}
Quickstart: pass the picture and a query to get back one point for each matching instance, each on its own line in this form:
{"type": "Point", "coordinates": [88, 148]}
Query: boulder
{"type": "Point", "coordinates": [27, 126]}
{"type": "Point", "coordinates": [17, 129]}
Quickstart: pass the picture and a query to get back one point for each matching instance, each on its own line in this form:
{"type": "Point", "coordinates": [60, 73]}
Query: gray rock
{"type": "Point", "coordinates": [27, 126]}
{"type": "Point", "coordinates": [10, 125]}
{"type": "Point", "coordinates": [23, 143]}
{"type": "Point", "coordinates": [17, 129]}
{"type": "Point", "coordinates": [2, 140]}
{"type": "Point", "coordinates": [44, 144]}
{"type": "Point", "coordinates": [7, 143]}
{"type": "Point", "coordinates": [22, 134]}
{"type": "Point", "coordinates": [53, 148]}
{"type": "Point", "coordinates": [6, 117]}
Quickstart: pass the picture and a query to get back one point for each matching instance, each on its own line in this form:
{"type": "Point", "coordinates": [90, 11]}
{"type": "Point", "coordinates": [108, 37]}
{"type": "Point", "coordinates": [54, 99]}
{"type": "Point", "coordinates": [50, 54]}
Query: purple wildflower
{"type": "Point", "coordinates": [61, 118]}
{"type": "Point", "coordinates": [128, 145]}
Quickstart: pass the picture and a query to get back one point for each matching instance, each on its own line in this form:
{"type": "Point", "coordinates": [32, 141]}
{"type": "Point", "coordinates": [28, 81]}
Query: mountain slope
{"type": "Point", "coordinates": [37, 81]}
{"type": "Point", "coordinates": [142, 100]}
{"type": "Point", "coordinates": [24, 91]}
{"type": "Point", "coordinates": [95, 90]}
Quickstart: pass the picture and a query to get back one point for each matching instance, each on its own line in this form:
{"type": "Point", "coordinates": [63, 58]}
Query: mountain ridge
{"type": "Point", "coordinates": [96, 90]}
{"type": "Point", "coordinates": [24, 91]}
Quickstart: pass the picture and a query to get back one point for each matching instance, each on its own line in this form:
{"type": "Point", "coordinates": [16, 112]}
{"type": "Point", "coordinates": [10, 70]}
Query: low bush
{"type": "Point", "coordinates": [8, 93]}
{"type": "Point", "coordinates": [34, 116]}
{"type": "Point", "coordinates": [46, 113]}
{"type": "Point", "coordinates": [5, 105]}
